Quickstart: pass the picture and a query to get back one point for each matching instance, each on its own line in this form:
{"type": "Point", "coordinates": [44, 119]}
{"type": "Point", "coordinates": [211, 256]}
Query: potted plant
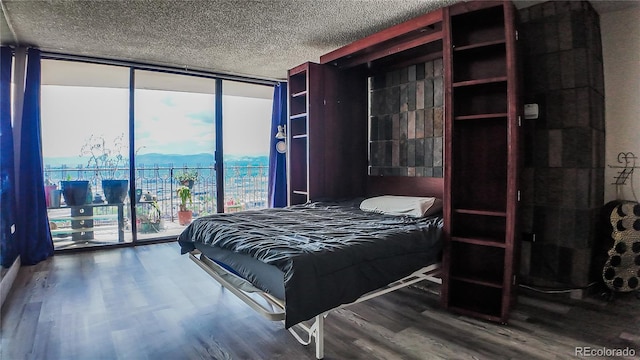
{"type": "Point", "coordinates": [187, 178]}
{"type": "Point", "coordinates": [149, 218]}
{"type": "Point", "coordinates": [106, 159]}
{"type": "Point", "coordinates": [74, 192]}
{"type": "Point", "coordinates": [184, 214]}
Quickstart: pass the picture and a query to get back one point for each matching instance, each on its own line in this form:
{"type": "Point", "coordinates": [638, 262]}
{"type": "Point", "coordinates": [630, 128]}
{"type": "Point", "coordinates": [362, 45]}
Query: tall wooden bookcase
{"type": "Point", "coordinates": [481, 152]}
{"type": "Point", "coordinates": [325, 105]}
{"type": "Point", "coordinates": [328, 139]}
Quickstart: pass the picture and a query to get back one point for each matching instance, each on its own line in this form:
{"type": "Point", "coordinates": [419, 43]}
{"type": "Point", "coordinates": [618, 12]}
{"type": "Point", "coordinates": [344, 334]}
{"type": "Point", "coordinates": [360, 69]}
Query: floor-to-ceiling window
{"type": "Point", "coordinates": [246, 120]}
{"type": "Point", "coordinates": [85, 136]}
{"type": "Point", "coordinates": [174, 139]}
{"type": "Point", "coordinates": [156, 133]}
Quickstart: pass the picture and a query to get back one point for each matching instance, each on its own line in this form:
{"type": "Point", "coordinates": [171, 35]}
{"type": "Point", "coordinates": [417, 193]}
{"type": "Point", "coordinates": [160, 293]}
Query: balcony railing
{"type": "Point", "coordinates": [246, 187]}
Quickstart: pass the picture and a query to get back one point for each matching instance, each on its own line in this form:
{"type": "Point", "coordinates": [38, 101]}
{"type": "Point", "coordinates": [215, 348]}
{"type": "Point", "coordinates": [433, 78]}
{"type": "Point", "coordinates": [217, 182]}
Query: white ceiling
{"type": "Point", "coordinates": [256, 38]}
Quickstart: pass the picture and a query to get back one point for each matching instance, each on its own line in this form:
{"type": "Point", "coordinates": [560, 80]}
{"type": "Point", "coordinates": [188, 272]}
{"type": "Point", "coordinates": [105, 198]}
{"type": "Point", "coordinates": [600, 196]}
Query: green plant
{"type": "Point", "coordinates": [105, 158]}
{"type": "Point", "coordinates": [185, 195]}
{"type": "Point", "coordinates": [149, 214]}
{"type": "Point", "coordinates": [187, 175]}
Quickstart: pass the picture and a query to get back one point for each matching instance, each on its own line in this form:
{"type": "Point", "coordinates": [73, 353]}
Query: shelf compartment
{"type": "Point", "coordinates": [480, 63]}
{"type": "Point", "coordinates": [298, 82]}
{"type": "Point", "coordinates": [298, 164]}
{"type": "Point", "coordinates": [298, 126]}
{"type": "Point", "coordinates": [477, 27]}
{"type": "Point", "coordinates": [477, 263]}
{"type": "Point", "coordinates": [478, 143]}
{"type": "Point", "coordinates": [479, 241]}
{"type": "Point", "coordinates": [481, 98]}
{"type": "Point", "coordinates": [480, 81]}
{"type": "Point", "coordinates": [298, 105]}
{"type": "Point", "coordinates": [474, 299]}
{"type": "Point", "coordinates": [298, 197]}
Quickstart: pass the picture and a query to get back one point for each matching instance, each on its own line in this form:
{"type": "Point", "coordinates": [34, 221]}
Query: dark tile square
{"type": "Point", "coordinates": [379, 81]}
{"type": "Point", "coordinates": [438, 92]}
{"type": "Point", "coordinates": [411, 152]}
{"type": "Point", "coordinates": [404, 147]}
{"type": "Point", "coordinates": [428, 122]}
{"type": "Point", "coordinates": [550, 30]}
{"type": "Point", "coordinates": [395, 153]}
{"type": "Point", "coordinates": [555, 148]}
{"type": "Point", "coordinates": [567, 69]}
{"type": "Point", "coordinates": [437, 172]}
{"type": "Point", "coordinates": [388, 153]}
{"type": "Point", "coordinates": [412, 73]}
{"type": "Point", "coordinates": [583, 117]}
{"type": "Point", "coordinates": [552, 66]}
{"type": "Point", "coordinates": [404, 98]}
{"type": "Point", "coordinates": [565, 39]}
{"type": "Point", "coordinates": [404, 126]}
{"type": "Point", "coordinates": [420, 153]}
{"type": "Point", "coordinates": [395, 120]}
{"type": "Point", "coordinates": [438, 121]}
{"type": "Point", "coordinates": [420, 72]}
{"type": "Point", "coordinates": [582, 188]}
{"type": "Point", "coordinates": [428, 152]}
{"type": "Point", "coordinates": [581, 67]}
{"type": "Point", "coordinates": [395, 78]}
{"type": "Point", "coordinates": [541, 149]}
{"type": "Point", "coordinates": [428, 172]}
{"type": "Point", "coordinates": [569, 108]}
{"type": "Point", "coordinates": [411, 95]}
{"type": "Point", "coordinates": [569, 188]}
{"type": "Point", "coordinates": [420, 124]}
{"type": "Point", "coordinates": [411, 124]}
{"type": "Point", "coordinates": [428, 93]}
{"type": "Point", "coordinates": [404, 75]}
{"type": "Point", "coordinates": [578, 30]}
{"type": "Point", "coordinates": [437, 151]}
{"type": "Point", "coordinates": [554, 114]}
{"type": "Point", "coordinates": [428, 69]}
{"type": "Point", "coordinates": [420, 94]}
{"type": "Point", "coordinates": [394, 100]}
{"type": "Point", "coordinates": [437, 67]}
{"type": "Point", "coordinates": [374, 128]}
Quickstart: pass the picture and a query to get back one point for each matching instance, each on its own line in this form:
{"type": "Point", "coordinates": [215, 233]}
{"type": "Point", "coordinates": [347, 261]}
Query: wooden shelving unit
{"type": "Point", "coordinates": [481, 173]}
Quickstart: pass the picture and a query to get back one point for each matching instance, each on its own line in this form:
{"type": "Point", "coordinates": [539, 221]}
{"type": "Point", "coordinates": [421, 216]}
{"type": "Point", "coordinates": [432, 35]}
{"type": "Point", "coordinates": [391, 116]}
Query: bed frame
{"type": "Point", "coordinates": [274, 309]}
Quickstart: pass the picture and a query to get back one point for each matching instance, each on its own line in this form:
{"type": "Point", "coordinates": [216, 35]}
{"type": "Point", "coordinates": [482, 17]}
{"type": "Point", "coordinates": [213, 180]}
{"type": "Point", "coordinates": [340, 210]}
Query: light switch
{"type": "Point", "coordinates": [530, 111]}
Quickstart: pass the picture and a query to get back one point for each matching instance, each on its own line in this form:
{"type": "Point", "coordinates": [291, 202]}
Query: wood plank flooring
{"type": "Point", "coordinates": [149, 302]}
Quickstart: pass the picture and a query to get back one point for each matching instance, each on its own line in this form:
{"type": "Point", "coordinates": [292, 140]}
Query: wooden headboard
{"type": "Point", "coordinates": [403, 185]}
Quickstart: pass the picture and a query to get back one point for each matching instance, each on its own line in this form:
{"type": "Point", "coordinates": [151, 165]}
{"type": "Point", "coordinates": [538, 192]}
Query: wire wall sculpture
{"type": "Point", "coordinates": [627, 161]}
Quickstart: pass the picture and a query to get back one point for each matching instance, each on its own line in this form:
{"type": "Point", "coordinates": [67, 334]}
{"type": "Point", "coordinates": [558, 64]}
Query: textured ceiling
{"type": "Point", "coordinates": [258, 38]}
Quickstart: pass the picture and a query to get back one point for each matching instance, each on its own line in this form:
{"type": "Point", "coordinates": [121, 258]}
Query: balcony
{"type": "Point", "coordinates": [246, 187]}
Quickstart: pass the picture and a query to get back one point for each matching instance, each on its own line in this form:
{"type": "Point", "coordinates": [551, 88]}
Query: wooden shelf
{"type": "Point", "coordinates": [478, 281]}
{"type": "Point", "coordinates": [298, 116]}
{"type": "Point", "coordinates": [491, 80]}
{"type": "Point", "coordinates": [298, 94]}
{"type": "Point", "coordinates": [301, 136]}
{"type": "Point", "coordinates": [479, 45]}
{"type": "Point", "coordinates": [300, 192]}
{"type": "Point", "coordinates": [481, 116]}
{"type": "Point", "coordinates": [479, 241]}
{"type": "Point", "coordinates": [480, 212]}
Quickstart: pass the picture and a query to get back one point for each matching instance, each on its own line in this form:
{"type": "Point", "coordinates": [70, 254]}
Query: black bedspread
{"type": "Point", "coordinates": [330, 253]}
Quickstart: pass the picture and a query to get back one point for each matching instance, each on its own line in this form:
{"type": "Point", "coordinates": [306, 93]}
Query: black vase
{"type": "Point", "coordinates": [115, 190]}
{"type": "Point", "coordinates": [75, 192]}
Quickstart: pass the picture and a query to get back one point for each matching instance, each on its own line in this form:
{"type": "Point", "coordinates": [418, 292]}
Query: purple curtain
{"type": "Point", "coordinates": [32, 225]}
{"type": "Point", "coordinates": [8, 246]}
{"type": "Point", "coordinates": [278, 161]}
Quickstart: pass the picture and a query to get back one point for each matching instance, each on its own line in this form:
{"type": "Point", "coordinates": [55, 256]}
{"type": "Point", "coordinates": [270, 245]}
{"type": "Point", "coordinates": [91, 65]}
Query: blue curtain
{"type": "Point", "coordinates": [278, 161]}
{"type": "Point", "coordinates": [34, 238]}
{"type": "Point", "coordinates": [8, 248]}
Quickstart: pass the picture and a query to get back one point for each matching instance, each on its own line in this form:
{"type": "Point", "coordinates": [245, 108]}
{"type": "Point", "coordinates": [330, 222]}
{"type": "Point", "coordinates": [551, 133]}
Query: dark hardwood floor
{"type": "Point", "coordinates": [149, 302]}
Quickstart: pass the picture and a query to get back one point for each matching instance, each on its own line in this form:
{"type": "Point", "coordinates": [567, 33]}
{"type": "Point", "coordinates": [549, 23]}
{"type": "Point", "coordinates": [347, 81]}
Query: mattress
{"type": "Point", "coordinates": [326, 253]}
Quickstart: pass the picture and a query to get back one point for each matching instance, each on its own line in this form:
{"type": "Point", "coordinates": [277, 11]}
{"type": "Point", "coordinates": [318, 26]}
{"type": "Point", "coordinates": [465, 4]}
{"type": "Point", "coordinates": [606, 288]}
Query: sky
{"type": "Point", "coordinates": [166, 121]}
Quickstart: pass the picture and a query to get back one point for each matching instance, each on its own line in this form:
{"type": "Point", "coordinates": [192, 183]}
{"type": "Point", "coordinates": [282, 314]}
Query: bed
{"type": "Point", "coordinates": [305, 260]}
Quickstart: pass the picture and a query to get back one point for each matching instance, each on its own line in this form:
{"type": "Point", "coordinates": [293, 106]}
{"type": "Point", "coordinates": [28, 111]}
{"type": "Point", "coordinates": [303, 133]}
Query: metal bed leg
{"type": "Point", "coordinates": [319, 336]}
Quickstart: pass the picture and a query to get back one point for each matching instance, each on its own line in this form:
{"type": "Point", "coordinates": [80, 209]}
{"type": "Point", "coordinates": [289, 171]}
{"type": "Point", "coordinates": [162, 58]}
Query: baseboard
{"type": "Point", "coordinates": [7, 280]}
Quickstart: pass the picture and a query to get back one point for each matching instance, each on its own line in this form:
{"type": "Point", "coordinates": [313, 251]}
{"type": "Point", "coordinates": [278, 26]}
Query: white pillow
{"type": "Point", "coordinates": [402, 205]}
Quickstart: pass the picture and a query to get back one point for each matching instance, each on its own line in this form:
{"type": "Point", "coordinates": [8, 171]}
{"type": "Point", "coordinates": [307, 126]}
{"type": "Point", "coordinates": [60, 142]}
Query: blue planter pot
{"type": "Point", "coordinates": [75, 192]}
{"type": "Point", "coordinates": [115, 190]}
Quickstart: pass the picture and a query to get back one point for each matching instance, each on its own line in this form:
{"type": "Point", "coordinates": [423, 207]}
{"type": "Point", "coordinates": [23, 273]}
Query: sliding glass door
{"type": "Point", "coordinates": [246, 123]}
{"type": "Point", "coordinates": [85, 145]}
{"type": "Point", "coordinates": [174, 139]}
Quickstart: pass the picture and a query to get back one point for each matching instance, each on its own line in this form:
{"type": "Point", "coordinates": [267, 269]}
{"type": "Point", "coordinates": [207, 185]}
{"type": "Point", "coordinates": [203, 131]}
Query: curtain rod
{"type": "Point", "coordinates": [161, 68]}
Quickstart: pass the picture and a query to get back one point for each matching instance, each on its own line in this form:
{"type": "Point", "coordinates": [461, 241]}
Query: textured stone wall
{"type": "Point", "coordinates": [563, 178]}
{"type": "Point", "coordinates": [406, 108]}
